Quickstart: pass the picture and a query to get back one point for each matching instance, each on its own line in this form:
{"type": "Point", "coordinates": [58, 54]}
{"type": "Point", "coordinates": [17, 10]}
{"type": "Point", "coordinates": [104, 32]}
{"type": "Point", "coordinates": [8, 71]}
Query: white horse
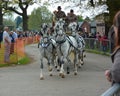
{"type": "Point", "coordinates": [80, 41]}
{"type": "Point", "coordinates": [46, 50]}
{"type": "Point", "coordinates": [65, 45]}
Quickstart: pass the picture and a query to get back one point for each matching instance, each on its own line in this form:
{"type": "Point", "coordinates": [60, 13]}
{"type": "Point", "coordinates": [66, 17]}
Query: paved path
{"type": "Point", "coordinates": [23, 80]}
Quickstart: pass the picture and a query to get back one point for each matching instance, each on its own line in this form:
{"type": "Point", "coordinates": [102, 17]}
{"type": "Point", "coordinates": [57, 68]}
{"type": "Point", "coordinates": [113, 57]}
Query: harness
{"type": "Point", "coordinates": [45, 44]}
{"type": "Point", "coordinates": [62, 41]}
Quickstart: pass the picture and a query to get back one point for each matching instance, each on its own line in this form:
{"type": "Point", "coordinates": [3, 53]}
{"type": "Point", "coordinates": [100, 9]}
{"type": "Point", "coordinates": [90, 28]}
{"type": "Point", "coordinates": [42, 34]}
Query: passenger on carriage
{"type": "Point", "coordinates": [71, 17]}
{"type": "Point", "coordinates": [59, 14]}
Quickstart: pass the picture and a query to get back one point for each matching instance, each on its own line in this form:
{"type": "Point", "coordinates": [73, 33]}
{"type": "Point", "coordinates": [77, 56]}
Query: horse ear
{"type": "Point", "coordinates": [41, 33]}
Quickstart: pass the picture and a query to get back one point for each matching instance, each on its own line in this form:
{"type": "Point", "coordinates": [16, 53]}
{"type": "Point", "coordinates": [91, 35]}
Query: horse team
{"type": "Point", "coordinates": [57, 47]}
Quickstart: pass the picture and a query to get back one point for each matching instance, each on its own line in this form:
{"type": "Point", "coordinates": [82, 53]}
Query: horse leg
{"type": "Point", "coordinates": [75, 63]}
{"type": "Point", "coordinates": [62, 71]}
{"type": "Point", "coordinates": [49, 66]}
{"type": "Point", "coordinates": [41, 71]}
{"type": "Point", "coordinates": [81, 57]}
{"type": "Point", "coordinates": [58, 64]}
{"type": "Point", "coordinates": [62, 68]}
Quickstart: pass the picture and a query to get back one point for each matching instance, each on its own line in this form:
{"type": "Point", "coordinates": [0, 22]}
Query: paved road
{"type": "Point", "coordinates": [23, 80]}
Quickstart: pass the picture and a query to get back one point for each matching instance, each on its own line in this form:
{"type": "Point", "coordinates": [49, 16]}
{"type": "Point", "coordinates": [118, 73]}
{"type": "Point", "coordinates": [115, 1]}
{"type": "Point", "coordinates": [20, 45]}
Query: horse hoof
{"type": "Point", "coordinates": [41, 78]}
{"type": "Point", "coordinates": [82, 64]}
{"type": "Point", "coordinates": [84, 55]}
{"type": "Point", "coordinates": [75, 73]}
{"type": "Point", "coordinates": [79, 66]}
{"type": "Point", "coordinates": [68, 72]}
{"type": "Point", "coordinates": [51, 74]}
{"type": "Point", "coordinates": [63, 76]}
{"type": "Point", "coordinates": [60, 74]}
{"type": "Point", "coordinates": [50, 69]}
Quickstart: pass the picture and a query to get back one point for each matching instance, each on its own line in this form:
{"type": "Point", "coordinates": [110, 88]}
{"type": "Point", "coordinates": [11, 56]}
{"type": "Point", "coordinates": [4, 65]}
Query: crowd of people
{"type": "Point", "coordinates": [9, 37]}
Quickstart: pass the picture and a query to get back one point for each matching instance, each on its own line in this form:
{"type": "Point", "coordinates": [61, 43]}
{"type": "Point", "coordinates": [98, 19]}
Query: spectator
{"type": "Point", "coordinates": [103, 40]}
{"type": "Point", "coordinates": [7, 44]}
{"type": "Point", "coordinates": [113, 75]}
{"type": "Point", "coordinates": [13, 37]}
{"type": "Point", "coordinates": [20, 35]}
{"type": "Point", "coordinates": [1, 37]}
{"type": "Point", "coordinates": [98, 36]}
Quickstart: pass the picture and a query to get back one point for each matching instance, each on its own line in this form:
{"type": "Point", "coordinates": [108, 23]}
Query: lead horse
{"type": "Point", "coordinates": [65, 45]}
{"type": "Point", "coordinates": [46, 49]}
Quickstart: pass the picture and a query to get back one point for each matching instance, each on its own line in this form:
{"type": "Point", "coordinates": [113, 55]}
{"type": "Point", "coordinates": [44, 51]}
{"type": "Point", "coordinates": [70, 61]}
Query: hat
{"type": "Point", "coordinates": [71, 11]}
{"type": "Point", "coordinates": [59, 7]}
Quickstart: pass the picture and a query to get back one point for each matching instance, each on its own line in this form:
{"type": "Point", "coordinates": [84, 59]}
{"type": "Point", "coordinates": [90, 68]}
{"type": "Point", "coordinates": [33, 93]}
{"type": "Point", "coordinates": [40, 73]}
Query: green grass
{"type": "Point", "coordinates": [98, 52]}
{"type": "Point", "coordinates": [24, 60]}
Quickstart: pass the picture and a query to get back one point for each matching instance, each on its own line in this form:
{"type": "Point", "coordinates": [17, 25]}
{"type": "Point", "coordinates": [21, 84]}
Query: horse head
{"type": "Point", "coordinates": [44, 29]}
{"type": "Point", "coordinates": [59, 24]}
{"type": "Point", "coordinates": [72, 27]}
{"type": "Point", "coordinates": [45, 33]}
{"type": "Point", "coordinates": [60, 36]}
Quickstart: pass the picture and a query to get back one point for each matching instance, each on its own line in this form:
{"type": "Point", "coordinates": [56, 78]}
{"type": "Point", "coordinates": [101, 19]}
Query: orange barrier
{"type": "Point", "coordinates": [20, 49]}
{"type": "Point", "coordinates": [18, 52]}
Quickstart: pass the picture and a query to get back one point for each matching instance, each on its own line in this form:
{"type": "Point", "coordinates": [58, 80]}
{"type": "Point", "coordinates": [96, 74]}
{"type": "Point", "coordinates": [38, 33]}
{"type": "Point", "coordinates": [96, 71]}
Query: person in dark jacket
{"type": "Point", "coordinates": [59, 14]}
{"type": "Point", "coordinates": [113, 74]}
{"type": "Point", "coordinates": [1, 37]}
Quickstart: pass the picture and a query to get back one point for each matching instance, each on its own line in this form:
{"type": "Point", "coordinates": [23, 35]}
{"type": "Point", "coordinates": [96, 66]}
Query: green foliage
{"type": "Point", "coordinates": [9, 22]}
{"type": "Point", "coordinates": [113, 7]}
{"type": "Point", "coordinates": [80, 18]}
{"type": "Point", "coordinates": [39, 16]}
{"type": "Point", "coordinates": [24, 60]}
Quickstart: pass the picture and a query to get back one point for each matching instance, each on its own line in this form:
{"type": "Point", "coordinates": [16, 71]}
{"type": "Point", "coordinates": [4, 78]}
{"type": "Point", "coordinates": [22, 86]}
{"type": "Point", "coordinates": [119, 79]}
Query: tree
{"type": "Point", "coordinates": [113, 7]}
{"type": "Point", "coordinates": [80, 18]}
{"type": "Point", "coordinates": [15, 5]}
{"type": "Point", "coordinates": [39, 16]}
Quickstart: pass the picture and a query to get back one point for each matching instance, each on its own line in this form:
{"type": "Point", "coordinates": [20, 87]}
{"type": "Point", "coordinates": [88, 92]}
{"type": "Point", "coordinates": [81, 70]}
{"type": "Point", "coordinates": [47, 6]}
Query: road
{"type": "Point", "coordinates": [23, 80]}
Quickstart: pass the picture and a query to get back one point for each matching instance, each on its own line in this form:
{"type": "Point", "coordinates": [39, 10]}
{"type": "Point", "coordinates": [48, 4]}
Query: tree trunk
{"type": "Point", "coordinates": [1, 17]}
{"type": "Point", "coordinates": [25, 20]}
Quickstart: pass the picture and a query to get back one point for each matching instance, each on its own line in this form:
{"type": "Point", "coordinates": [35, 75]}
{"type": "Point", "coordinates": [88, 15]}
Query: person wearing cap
{"type": "Point", "coordinates": [71, 17]}
{"type": "Point", "coordinates": [59, 14]}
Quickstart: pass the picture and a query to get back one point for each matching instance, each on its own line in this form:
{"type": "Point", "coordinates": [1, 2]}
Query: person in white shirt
{"type": "Point", "coordinates": [7, 44]}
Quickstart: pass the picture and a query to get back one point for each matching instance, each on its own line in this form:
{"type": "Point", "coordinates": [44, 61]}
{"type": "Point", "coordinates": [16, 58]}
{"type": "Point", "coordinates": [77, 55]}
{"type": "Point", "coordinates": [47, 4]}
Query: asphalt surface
{"type": "Point", "coordinates": [23, 80]}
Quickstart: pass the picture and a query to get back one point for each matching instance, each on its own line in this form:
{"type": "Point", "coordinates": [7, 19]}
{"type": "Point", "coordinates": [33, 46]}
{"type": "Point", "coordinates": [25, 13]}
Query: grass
{"type": "Point", "coordinates": [23, 61]}
{"type": "Point", "coordinates": [98, 52]}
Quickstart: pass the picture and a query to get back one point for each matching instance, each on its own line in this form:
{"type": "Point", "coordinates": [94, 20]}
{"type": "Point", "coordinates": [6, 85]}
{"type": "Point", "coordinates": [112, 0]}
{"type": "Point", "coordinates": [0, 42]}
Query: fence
{"type": "Point", "coordinates": [113, 91]}
{"type": "Point", "coordinates": [18, 49]}
{"type": "Point", "coordinates": [98, 45]}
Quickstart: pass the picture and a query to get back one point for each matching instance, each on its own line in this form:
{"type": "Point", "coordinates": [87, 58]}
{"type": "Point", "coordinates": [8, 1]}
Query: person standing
{"type": "Point", "coordinates": [13, 38]}
{"type": "Point", "coordinates": [113, 74]}
{"type": "Point", "coordinates": [1, 37]}
{"type": "Point", "coordinates": [7, 44]}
